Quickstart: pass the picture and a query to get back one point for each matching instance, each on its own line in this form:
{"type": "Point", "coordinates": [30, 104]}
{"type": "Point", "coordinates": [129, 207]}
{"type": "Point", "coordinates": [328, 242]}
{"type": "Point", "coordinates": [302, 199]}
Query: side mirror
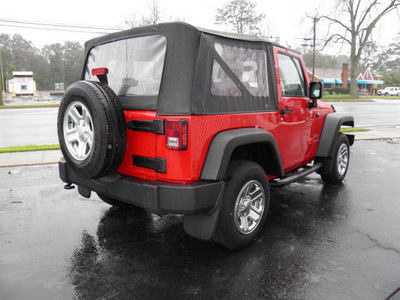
{"type": "Point", "coordinates": [316, 92]}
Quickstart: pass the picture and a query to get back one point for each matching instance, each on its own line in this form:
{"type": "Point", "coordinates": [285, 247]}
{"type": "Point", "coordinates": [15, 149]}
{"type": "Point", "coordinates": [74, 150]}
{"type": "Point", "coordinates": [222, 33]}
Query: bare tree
{"type": "Point", "coordinates": [154, 16]}
{"type": "Point", "coordinates": [356, 19]}
{"type": "Point", "coordinates": [241, 15]}
{"type": "Point", "coordinates": [132, 21]}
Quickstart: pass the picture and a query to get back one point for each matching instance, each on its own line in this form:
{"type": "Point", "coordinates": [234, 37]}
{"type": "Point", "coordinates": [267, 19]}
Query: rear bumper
{"type": "Point", "coordinates": [157, 196]}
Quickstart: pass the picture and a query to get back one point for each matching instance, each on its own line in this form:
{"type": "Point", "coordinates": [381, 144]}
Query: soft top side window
{"type": "Point", "coordinates": [222, 84]}
{"type": "Point", "coordinates": [248, 64]}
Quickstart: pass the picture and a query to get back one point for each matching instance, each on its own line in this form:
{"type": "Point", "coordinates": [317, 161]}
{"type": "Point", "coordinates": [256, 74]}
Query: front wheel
{"type": "Point", "coordinates": [244, 205]}
{"type": "Point", "coordinates": [338, 165]}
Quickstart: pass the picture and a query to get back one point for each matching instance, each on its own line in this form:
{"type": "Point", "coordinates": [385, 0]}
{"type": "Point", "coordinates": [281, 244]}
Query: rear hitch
{"type": "Point", "coordinates": [69, 186]}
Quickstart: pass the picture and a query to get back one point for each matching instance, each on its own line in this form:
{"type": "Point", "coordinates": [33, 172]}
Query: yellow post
{"type": "Point", "coordinates": [35, 95]}
{"type": "Point", "coordinates": [2, 76]}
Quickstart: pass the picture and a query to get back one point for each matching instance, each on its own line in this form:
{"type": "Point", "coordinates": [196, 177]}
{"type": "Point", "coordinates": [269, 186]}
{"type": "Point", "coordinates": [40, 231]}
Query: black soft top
{"type": "Point", "coordinates": [186, 75]}
{"type": "Point", "coordinates": [169, 30]}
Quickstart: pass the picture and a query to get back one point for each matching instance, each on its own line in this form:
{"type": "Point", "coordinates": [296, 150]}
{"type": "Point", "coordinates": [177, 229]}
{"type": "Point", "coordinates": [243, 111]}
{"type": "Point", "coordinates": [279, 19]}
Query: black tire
{"type": "Point", "coordinates": [98, 149]}
{"type": "Point", "coordinates": [236, 229]}
{"type": "Point", "coordinates": [335, 168]}
{"type": "Point", "coordinates": [119, 138]}
{"type": "Point", "coordinates": [386, 94]}
{"type": "Point", "coordinates": [113, 202]}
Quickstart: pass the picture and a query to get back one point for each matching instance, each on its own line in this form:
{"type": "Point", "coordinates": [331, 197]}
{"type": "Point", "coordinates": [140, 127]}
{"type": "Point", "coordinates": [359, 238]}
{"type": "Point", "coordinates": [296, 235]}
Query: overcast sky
{"type": "Point", "coordinates": [286, 18]}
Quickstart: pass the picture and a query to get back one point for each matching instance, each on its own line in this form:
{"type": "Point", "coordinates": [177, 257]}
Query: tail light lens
{"type": "Point", "coordinates": [176, 132]}
{"type": "Point", "coordinates": [101, 74]}
{"type": "Point", "coordinates": [99, 71]}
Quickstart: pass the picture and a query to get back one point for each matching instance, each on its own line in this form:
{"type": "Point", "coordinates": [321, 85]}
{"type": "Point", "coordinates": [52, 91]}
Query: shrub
{"type": "Point", "coordinates": [328, 91]}
{"type": "Point", "coordinates": [340, 90]}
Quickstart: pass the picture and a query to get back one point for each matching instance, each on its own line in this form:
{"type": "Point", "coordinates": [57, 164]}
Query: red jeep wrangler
{"type": "Point", "coordinates": [180, 120]}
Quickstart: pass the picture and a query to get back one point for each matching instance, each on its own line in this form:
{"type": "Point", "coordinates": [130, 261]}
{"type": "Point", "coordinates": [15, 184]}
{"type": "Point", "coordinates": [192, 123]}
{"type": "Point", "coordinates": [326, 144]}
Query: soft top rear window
{"type": "Point", "coordinates": [135, 67]}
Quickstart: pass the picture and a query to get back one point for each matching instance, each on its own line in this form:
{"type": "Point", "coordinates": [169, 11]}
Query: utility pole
{"type": "Point", "coordinates": [3, 92]}
{"type": "Point", "coordinates": [314, 40]}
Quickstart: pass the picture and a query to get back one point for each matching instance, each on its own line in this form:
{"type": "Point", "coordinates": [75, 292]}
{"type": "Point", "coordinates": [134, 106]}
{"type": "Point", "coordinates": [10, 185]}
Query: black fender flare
{"type": "Point", "coordinates": [330, 132]}
{"type": "Point", "coordinates": [224, 143]}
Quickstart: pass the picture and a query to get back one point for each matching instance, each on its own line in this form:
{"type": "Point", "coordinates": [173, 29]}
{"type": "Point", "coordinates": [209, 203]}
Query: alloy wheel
{"type": "Point", "coordinates": [249, 207]}
{"type": "Point", "coordinates": [343, 159]}
{"type": "Point", "coordinates": [78, 130]}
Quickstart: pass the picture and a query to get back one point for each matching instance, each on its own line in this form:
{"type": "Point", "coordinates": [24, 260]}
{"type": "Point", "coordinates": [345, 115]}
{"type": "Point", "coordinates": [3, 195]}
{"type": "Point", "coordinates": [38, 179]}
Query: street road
{"type": "Point", "coordinates": [319, 242]}
{"type": "Point", "coordinates": [372, 114]}
{"type": "Point", "coordinates": [39, 125]}
{"type": "Point", "coordinates": [28, 126]}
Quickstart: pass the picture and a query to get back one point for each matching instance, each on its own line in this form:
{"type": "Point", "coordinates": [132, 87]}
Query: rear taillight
{"type": "Point", "coordinates": [176, 132]}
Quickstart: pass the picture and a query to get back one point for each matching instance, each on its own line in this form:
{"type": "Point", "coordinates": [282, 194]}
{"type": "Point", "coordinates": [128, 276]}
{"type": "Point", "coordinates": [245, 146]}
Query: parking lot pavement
{"type": "Point", "coordinates": [319, 242]}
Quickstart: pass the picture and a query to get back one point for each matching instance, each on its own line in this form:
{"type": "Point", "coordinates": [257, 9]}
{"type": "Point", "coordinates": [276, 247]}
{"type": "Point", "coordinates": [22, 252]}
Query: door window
{"type": "Point", "coordinates": [293, 83]}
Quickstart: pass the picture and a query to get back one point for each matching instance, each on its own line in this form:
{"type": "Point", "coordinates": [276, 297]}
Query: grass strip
{"type": "Point", "coordinates": [29, 106]}
{"type": "Point", "coordinates": [348, 98]}
{"type": "Point", "coordinates": [29, 148]}
{"type": "Point", "coordinates": [352, 129]}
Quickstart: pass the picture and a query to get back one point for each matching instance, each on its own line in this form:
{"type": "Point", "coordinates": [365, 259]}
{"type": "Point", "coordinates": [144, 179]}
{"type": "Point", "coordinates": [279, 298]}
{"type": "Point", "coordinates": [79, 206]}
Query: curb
{"type": "Point", "coordinates": [30, 158]}
{"type": "Point", "coordinates": [378, 133]}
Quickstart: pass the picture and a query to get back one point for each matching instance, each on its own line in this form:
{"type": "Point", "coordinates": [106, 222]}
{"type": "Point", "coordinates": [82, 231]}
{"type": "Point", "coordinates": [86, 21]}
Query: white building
{"type": "Point", "coordinates": [22, 84]}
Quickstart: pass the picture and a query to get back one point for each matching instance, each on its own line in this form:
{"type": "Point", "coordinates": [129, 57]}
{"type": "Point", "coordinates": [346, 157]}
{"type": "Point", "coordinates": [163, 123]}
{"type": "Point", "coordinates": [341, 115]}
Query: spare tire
{"type": "Point", "coordinates": [91, 129]}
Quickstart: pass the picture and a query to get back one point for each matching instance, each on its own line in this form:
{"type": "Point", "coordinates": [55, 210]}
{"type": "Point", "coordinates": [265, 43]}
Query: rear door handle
{"type": "Point", "coordinates": [285, 111]}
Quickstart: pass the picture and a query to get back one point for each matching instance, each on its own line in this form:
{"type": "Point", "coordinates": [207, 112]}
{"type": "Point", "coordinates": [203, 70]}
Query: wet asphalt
{"type": "Point", "coordinates": [319, 242]}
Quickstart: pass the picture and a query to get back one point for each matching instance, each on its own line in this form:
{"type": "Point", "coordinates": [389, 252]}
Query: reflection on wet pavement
{"type": "Point", "coordinates": [319, 242]}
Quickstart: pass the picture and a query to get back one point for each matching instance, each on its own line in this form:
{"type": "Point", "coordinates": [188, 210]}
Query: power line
{"type": "Point", "coordinates": [53, 29]}
{"type": "Point", "coordinates": [58, 26]}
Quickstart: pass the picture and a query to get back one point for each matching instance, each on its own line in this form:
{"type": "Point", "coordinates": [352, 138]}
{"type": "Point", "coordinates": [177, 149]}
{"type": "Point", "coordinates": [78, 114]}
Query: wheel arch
{"type": "Point", "coordinates": [330, 132]}
{"type": "Point", "coordinates": [259, 145]}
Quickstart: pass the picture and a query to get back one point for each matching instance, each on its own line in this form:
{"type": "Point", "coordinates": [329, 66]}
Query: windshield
{"type": "Point", "coordinates": [134, 66]}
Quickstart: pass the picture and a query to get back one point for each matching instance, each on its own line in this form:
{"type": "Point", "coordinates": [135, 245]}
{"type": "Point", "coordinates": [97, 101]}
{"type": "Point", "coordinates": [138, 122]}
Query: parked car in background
{"type": "Point", "coordinates": [389, 91]}
{"type": "Point", "coordinates": [362, 92]}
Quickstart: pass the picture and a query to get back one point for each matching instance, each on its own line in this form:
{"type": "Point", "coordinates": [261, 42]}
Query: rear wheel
{"type": "Point", "coordinates": [337, 166]}
{"type": "Point", "coordinates": [244, 205]}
